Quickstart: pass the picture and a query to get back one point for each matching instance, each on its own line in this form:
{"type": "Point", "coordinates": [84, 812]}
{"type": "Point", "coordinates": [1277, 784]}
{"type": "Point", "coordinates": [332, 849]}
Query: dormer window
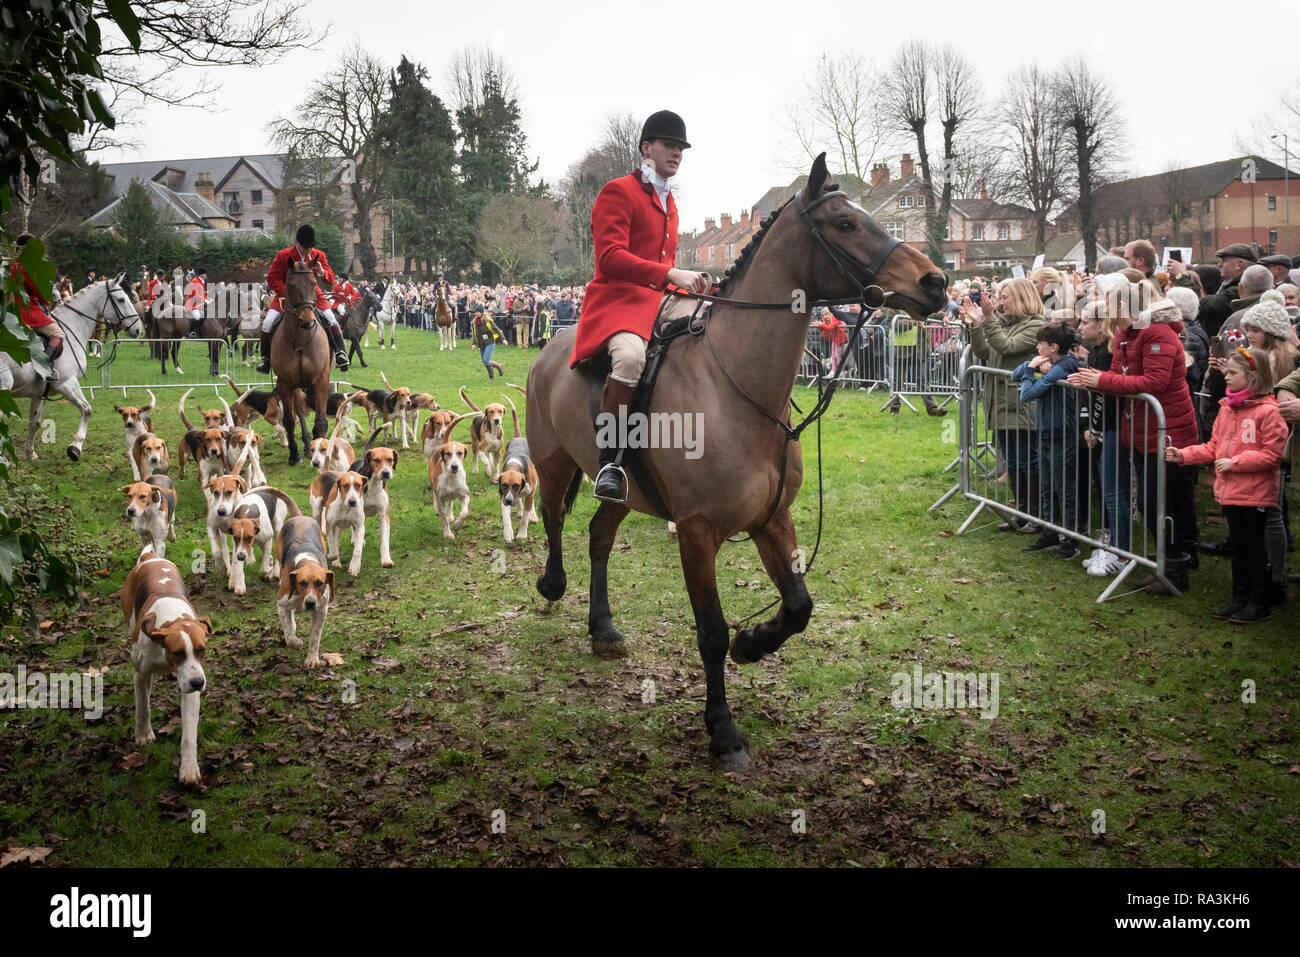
{"type": "Point", "coordinates": [906, 202]}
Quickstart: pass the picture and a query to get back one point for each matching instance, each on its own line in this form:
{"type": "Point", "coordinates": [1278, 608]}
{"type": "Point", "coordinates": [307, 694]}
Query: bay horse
{"type": "Point", "coordinates": [79, 315]}
{"type": "Point", "coordinates": [736, 378]}
{"type": "Point", "coordinates": [354, 324]}
{"type": "Point", "coordinates": [300, 357]}
{"type": "Point", "coordinates": [446, 321]}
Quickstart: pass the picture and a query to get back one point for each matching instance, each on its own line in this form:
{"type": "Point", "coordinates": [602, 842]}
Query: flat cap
{"type": "Point", "coordinates": [1276, 260]}
{"type": "Point", "coordinates": [1240, 250]}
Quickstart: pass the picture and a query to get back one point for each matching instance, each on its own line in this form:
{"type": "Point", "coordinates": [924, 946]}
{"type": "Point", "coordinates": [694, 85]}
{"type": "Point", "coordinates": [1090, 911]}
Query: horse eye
{"type": "Point", "coordinates": [845, 225]}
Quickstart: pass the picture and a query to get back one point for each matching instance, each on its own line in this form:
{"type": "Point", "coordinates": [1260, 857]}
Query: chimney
{"type": "Point", "coordinates": [879, 175]}
{"type": "Point", "coordinates": [204, 187]}
{"type": "Point", "coordinates": [710, 223]}
{"type": "Point", "coordinates": [984, 191]}
{"type": "Point", "coordinates": [906, 169]}
{"type": "Point", "coordinates": [744, 218]}
{"type": "Point", "coordinates": [726, 221]}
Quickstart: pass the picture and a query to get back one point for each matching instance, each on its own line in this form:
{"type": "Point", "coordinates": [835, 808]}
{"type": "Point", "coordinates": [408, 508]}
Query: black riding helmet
{"type": "Point", "coordinates": [306, 236]}
{"type": "Point", "coordinates": [665, 125]}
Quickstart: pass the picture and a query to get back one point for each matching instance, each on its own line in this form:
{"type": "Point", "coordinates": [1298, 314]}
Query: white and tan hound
{"type": "Point", "coordinates": [306, 584]}
{"type": "Point", "coordinates": [486, 439]}
{"type": "Point", "coordinates": [151, 506]}
{"type": "Point", "coordinates": [343, 506]}
{"type": "Point", "coordinates": [447, 479]}
{"type": "Point", "coordinates": [517, 482]}
{"type": "Point", "coordinates": [437, 429]}
{"type": "Point", "coordinates": [207, 446]}
{"type": "Point", "coordinates": [150, 456]}
{"type": "Point", "coordinates": [138, 422]}
{"type": "Point", "coordinates": [169, 638]}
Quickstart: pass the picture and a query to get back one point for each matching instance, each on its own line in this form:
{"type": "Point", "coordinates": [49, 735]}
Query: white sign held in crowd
{"type": "Point", "coordinates": [1039, 260]}
{"type": "Point", "coordinates": [1018, 271]}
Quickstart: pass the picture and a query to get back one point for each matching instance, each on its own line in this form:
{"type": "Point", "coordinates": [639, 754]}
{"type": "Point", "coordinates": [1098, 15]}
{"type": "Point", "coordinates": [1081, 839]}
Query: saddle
{"type": "Point", "coordinates": [597, 367]}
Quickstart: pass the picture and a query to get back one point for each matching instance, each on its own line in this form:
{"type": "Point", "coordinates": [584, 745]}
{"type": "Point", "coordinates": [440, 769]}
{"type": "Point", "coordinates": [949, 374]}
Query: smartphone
{"type": "Point", "coordinates": [1176, 255]}
{"type": "Point", "coordinates": [1218, 348]}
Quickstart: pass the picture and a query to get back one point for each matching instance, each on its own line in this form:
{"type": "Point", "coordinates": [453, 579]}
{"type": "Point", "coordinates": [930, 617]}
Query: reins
{"type": "Point", "coordinates": [846, 265]}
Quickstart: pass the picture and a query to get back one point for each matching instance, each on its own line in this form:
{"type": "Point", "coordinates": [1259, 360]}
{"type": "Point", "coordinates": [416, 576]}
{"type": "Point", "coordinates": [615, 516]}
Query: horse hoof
{"type": "Point", "coordinates": [295, 460]}
{"type": "Point", "coordinates": [74, 453]}
{"type": "Point", "coordinates": [738, 656]}
{"type": "Point", "coordinates": [735, 762]}
{"type": "Point", "coordinates": [551, 589]}
{"type": "Point", "coordinates": [609, 648]}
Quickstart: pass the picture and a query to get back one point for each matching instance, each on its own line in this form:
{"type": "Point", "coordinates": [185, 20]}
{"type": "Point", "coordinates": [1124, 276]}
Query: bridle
{"type": "Point", "coordinates": [118, 321]}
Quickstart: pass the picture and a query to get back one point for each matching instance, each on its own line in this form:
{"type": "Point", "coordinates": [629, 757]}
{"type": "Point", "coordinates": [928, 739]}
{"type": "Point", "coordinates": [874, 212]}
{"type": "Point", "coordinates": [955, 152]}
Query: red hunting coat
{"type": "Point", "coordinates": [33, 315]}
{"type": "Point", "coordinates": [279, 270]}
{"type": "Point", "coordinates": [196, 294]}
{"type": "Point", "coordinates": [345, 294]}
{"type": "Point", "coordinates": [636, 244]}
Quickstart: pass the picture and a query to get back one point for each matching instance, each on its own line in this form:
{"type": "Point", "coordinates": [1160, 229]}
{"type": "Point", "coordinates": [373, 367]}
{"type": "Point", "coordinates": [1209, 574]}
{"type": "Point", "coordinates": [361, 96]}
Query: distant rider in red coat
{"type": "Point", "coordinates": [634, 229]}
{"type": "Point", "coordinates": [303, 250]}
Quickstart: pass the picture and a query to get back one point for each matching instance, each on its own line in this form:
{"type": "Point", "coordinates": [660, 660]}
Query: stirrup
{"type": "Point", "coordinates": [264, 367]}
{"type": "Point", "coordinates": [341, 360]}
{"type": "Point", "coordinates": [612, 473]}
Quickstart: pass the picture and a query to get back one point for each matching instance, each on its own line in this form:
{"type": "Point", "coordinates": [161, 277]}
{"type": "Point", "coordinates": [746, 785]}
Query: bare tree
{"type": "Point", "coordinates": [340, 115]}
{"type": "Point", "coordinates": [1034, 145]}
{"type": "Point", "coordinates": [958, 97]}
{"type": "Point", "coordinates": [1086, 108]}
{"type": "Point", "coordinates": [617, 154]}
{"type": "Point", "coordinates": [907, 103]}
{"type": "Point", "coordinates": [180, 34]}
{"type": "Point", "coordinates": [1178, 196]}
{"type": "Point", "coordinates": [841, 110]}
{"type": "Point", "coordinates": [467, 74]}
{"type": "Point", "coordinates": [621, 143]}
{"type": "Point", "coordinates": [516, 233]}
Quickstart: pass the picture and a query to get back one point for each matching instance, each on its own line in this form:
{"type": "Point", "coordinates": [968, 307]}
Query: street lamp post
{"type": "Point", "coordinates": [1286, 180]}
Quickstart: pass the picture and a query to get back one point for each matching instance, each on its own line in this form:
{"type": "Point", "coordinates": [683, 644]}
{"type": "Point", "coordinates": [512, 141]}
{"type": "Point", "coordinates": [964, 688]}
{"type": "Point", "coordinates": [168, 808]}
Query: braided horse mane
{"type": "Point", "coordinates": [737, 268]}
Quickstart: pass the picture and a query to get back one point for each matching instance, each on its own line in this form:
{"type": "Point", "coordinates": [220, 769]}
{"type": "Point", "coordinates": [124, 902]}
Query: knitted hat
{"type": "Point", "coordinates": [1269, 315]}
{"type": "Point", "coordinates": [1164, 310]}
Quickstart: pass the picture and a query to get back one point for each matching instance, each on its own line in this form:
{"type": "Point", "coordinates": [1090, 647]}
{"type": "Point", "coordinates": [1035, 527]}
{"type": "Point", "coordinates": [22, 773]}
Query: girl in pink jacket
{"type": "Point", "coordinates": [1246, 449]}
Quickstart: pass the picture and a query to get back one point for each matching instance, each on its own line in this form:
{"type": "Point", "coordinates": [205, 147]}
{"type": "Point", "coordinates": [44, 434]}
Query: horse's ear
{"type": "Point", "coordinates": [816, 178]}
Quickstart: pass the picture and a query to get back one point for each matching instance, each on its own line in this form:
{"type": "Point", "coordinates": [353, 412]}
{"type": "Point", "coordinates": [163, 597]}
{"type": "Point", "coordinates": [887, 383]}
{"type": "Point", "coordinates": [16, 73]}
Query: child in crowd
{"type": "Point", "coordinates": [1246, 449]}
{"type": "Point", "coordinates": [1058, 436]}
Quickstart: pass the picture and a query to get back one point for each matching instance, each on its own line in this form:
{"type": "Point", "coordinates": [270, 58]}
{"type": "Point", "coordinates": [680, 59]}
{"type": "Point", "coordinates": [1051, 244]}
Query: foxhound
{"type": "Point", "coordinates": [517, 482]}
{"type": "Point", "coordinates": [236, 440]}
{"type": "Point", "coordinates": [378, 465]}
{"type": "Point", "coordinates": [169, 637]}
{"type": "Point", "coordinates": [411, 417]}
{"type": "Point", "coordinates": [137, 421]}
{"type": "Point", "coordinates": [207, 446]}
{"type": "Point", "coordinates": [437, 429]}
{"type": "Point", "coordinates": [323, 460]}
{"type": "Point", "coordinates": [149, 455]}
{"type": "Point", "coordinates": [386, 406]}
{"type": "Point", "coordinates": [306, 584]}
{"type": "Point", "coordinates": [223, 493]}
{"type": "Point", "coordinates": [151, 506]}
{"type": "Point", "coordinates": [447, 479]}
{"type": "Point", "coordinates": [485, 436]}
{"type": "Point", "coordinates": [343, 506]}
{"type": "Point", "coordinates": [258, 517]}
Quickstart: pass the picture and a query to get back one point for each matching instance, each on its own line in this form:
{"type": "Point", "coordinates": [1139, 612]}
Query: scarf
{"type": "Point", "coordinates": [1239, 397]}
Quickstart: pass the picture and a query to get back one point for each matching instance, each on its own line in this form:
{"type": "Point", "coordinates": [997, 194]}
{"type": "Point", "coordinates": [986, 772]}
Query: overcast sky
{"type": "Point", "coordinates": [730, 69]}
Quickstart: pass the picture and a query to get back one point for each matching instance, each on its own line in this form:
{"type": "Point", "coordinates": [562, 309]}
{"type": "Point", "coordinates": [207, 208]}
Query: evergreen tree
{"type": "Point", "coordinates": [144, 238]}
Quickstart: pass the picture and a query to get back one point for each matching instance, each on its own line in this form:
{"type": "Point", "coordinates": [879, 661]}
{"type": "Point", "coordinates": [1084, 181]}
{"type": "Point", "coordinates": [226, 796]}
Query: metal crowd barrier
{"type": "Point", "coordinates": [1099, 494]}
{"type": "Point", "coordinates": [924, 359]}
{"type": "Point", "coordinates": [865, 366]}
{"type": "Point", "coordinates": [124, 364]}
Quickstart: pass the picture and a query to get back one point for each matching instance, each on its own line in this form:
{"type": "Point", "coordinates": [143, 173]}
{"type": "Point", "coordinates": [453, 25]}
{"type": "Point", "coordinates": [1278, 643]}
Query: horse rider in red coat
{"type": "Point", "coordinates": [196, 298]}
{"type": "Point", "coordinates": [33, 315]}
{"type": "Point", "coordinates": [634, 229]}
{"type": "Point", "coordinates": [303, 250]}
{"type": "Point", "coordinates": [344, 294]}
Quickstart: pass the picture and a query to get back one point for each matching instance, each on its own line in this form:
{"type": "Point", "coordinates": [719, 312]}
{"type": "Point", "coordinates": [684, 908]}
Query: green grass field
{"type": "Point", "coordinates": [473, 706]}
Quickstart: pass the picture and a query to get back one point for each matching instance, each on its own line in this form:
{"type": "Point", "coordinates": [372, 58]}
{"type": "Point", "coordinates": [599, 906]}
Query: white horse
{"type": "Point", "coordinates": [105, 301]}
{"type": "Point", "coordinates": [387, 314]}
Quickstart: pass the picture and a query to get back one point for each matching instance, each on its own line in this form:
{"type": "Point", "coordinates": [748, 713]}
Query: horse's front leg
{"type": "Point", "coordinates": [698, 544]}
{"type": "Point", "coordinates": [554, 479]}
{"type": "Point", "coordinates": [606, 642]}
{"type": "Point", "coordinates": [319, 401]}
{"type": "Point", "coordinates": [784, 563]}
{"type": "Point", "coordinates": [34, 423]}
{"type": "Point", "coordinates": [77, 399]}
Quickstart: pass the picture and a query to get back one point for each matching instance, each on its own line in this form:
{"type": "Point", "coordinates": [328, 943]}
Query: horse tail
{"type": "Point", "coordinates": [571, 493]}
{"type": "Point", "coordinates": [513, 413]}
{"type": "Point", "coordinates": [467, 401]}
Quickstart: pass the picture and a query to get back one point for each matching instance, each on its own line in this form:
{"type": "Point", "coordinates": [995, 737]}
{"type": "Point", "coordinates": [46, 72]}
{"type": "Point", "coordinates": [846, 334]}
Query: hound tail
{"type": "Point", "coordinates": [185, 421]}
{"type": "Point", "coordinates": [466, 400]}
{"type": "Point", "coordinates": [521, 389]}
{"type": "Point", "coordinates": [513, 414]}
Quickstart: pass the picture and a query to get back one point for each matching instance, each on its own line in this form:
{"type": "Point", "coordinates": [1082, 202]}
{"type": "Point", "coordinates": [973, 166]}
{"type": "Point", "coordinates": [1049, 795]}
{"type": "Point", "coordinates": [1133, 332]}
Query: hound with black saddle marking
{"type": "Point", "coordinates": [169, 638]}
{"type": "Point", "coordinates": [151, 506]}
{"type": "Point", "coordinates": [383, 405]}
{"type": "Point", "coordinates": [258, 517]}
{"type": "Point", "coordinates": [517, 482]}
{"type": "Point", "coordinates": [207, 446]}
{"type": "Point", "coordinates": [306, 584]}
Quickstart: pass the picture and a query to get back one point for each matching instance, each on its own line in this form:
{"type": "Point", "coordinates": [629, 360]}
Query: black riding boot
{"type": "Point", "coordinates": [611, 480]}
{"type": "Point", "coordinates": [196, 328]}
{"type": "Point", "coordinates": [264, 367]}
{"type": "Point", "coordinates": [336, 343]}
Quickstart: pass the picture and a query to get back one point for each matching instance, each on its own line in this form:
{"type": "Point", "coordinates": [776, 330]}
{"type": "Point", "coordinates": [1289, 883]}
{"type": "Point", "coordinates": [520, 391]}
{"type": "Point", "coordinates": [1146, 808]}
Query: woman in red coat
{"type": "Point", "coordinates": [33, 315]}
{"type": "Point", "coordinates": [1148, 357]}
{"type": "Point", "coordinates": [634, 228]}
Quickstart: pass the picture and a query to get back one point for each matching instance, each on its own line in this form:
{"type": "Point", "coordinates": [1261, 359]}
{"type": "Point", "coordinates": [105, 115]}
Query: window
{"type": "Point", "coordinates": [231, 198]}
{"type": "Point", "coordinates": [894, 229]}
{"type": "Point", "coordinates": [1272, 237]}
{"type": "Point", "coordinates": [1004, 231]}
{"type": "Point", "coordinates": [1205, 206]}
{"type": "Point", "coordinates": [257, 195]}
{"type": "Point", "coordinates": [947, 231]}
{"type": "Point", "coordinates": [906, 202]}
{"type": "Point", "coordinates": [920, 202]}
{"type": "Point", "coordinates": [258, 223]}
{"type": "Point", "coordinates": [977, 232]}
{"type": "Point", "coordinates": [1272, 202]}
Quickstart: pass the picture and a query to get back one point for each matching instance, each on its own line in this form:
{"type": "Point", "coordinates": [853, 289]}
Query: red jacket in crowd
{"type": "Point", "coordinates": [833, 331]}
{"type": "Point", "coordinates": [156, 287]}
{"type": "Point", "coordinates": [1251, 436]}
{"type": "Point", "coordinates": [1149, 358]}
{"type": "Point", "coordinates": [344, 294]}
{"type": "Point", "coordinates": [279, 270]}
{"type": "Point", "coordinates": [635, 244]}
{"type": "Point", "coordinates": [196, 294]}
